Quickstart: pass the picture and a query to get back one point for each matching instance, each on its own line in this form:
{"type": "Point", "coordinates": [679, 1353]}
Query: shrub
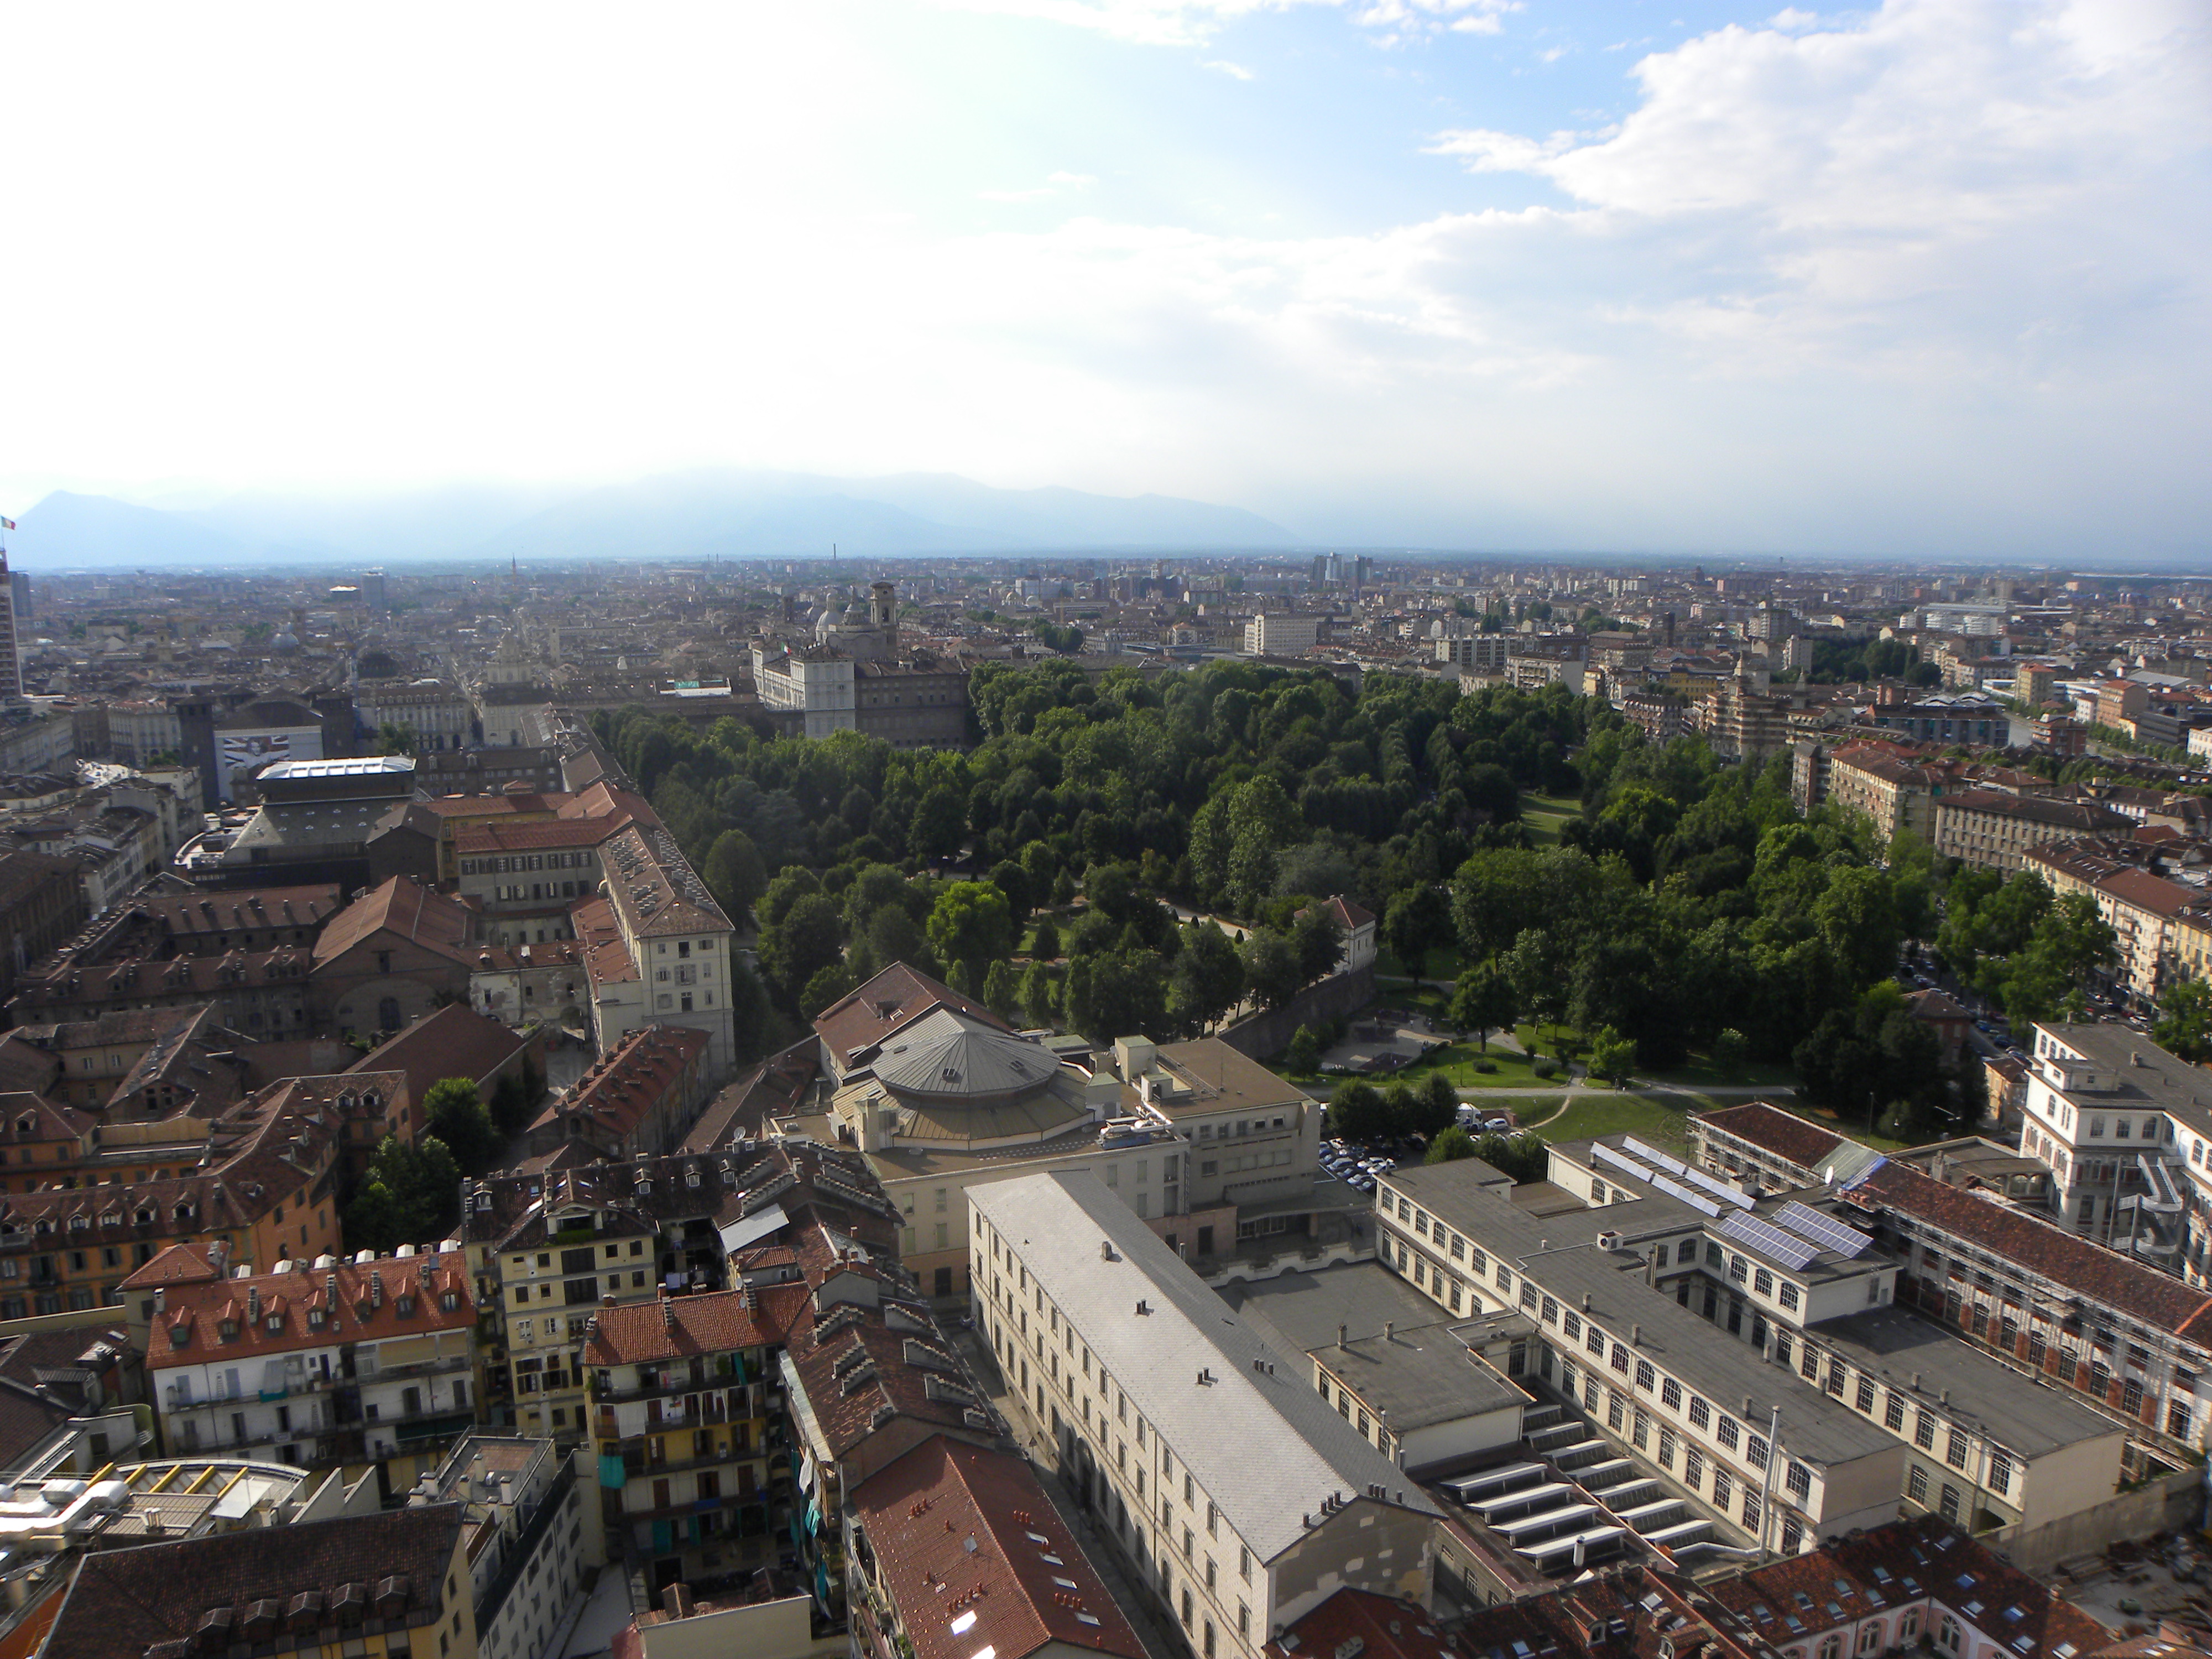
{"type": "Point", "coordinates": [1546, 1069]}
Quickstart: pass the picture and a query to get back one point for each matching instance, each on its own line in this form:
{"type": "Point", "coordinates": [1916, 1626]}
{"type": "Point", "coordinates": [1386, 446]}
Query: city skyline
{"type": "Point", "coordinates": [1916, 281]}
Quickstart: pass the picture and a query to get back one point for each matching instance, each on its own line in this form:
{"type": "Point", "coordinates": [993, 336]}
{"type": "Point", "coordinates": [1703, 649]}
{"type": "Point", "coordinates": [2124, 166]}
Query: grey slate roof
{"type": "Point", "coordinates": [944, 1053]}
{"type": "Point", "coordinates": [1903, 1349]}
{"type": "Point", "coordinates": [1266, 1447]}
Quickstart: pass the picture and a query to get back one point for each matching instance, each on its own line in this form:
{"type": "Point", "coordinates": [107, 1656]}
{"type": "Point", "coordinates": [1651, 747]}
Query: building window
{"type": "Point", "coordinates": [1916, 1485]}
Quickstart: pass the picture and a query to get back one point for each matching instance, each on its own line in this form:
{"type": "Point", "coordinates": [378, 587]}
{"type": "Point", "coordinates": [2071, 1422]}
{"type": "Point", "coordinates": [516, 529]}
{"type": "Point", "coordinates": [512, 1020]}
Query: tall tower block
{"type": "Point", "coordinates": [11, 660]}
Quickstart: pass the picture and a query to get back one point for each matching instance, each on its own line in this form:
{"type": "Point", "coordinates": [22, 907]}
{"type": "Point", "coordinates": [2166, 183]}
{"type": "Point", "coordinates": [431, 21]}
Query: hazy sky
{"type": "Point", "coordinates": [1925, 278]}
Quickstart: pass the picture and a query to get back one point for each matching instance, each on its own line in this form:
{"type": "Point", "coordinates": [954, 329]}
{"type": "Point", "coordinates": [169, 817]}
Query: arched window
{"type": "Point", "coordinates": [1832, 1648]}
{"type": "Point", "coordinates": [1870, 1638]}
{"type": "Point", "coordinates": [1908, 1627]}
{"type": "Point", "coordinates": [387, 1013]}
{"type": "Point", "coordinates": [1947, 1634]}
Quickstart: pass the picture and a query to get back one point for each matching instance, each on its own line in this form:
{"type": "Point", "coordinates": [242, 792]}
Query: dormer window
{"type": "Point", "coordinates": [79, 1223]}
{"type": "Point", "coordinates": [274, 1323]}
{"type": "Point", "coordinates": [228, 1330]}
{"type": "Point", "coordinates": [179, 1336]}
{"type": "Point", "coordinates": [314, 1319]}
{"type": "Point", "coordinates": [143, 1217]}
{"type": "Point", "coordinates": [46, 1226]}
{"type": "Point", "coordinates": [25, 1124]}
{"type": "Point", "coordinates": [449, 1302]}
{"type": "Point", "coordinates": [406, 1307]}
{"type": "Point", "coordinates": [345, 1102]}
{"type": "Point", "coordinates": [183, 1210]}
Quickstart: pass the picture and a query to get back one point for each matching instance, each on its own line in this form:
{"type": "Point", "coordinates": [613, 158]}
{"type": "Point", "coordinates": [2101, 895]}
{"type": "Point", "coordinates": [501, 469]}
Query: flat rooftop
{"type": "Point", "coordinates": [1724, 1368]}
{"type": "Point", "coordinates": [1918, 1358]}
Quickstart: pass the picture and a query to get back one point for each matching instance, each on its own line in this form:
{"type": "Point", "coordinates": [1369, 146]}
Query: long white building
{"type": "Point", "coordinates": [1240, 1498]}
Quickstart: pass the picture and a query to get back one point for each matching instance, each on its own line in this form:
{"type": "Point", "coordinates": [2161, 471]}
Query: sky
{"type": "Point", "coordinates": [1923, 279]}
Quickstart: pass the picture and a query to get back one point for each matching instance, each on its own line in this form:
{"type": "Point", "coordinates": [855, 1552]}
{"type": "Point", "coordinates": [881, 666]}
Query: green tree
{"type": "Point", "coordinates": [1357, 1112]}
{"type": "Point", "coordinates": [1002, 989]}
{"type": "Point", "coordinates": [395, 738]}
{"type": "Point", "coordinates": [830, 984]}
{"type": "Point", "coordinates": [972, 924]}
{"type": "Point", "coordinates": [1207, 978]}
{"type": "Point", "coordinates": [454, 1112]}
{"type": "Point", "coordinates": [2185, 1025]}
{"type": "Point", "coordinates": [1272, 968]}
{"type": "Point", "coordinates": [938, 825]}
{"type": "Point", "coordinates": [1612, 1055]}
{"type": "Point", "coordinates": [1044, 944]}
{"type": "Point", "coordinates": [791, 883]}
{"type": "Point", "coordinates": [1319, 937]}
{"type": "Point", "coordinates": [1040, 995]}
{"type": "Point", "coordinates": [1304, 1056]}
{"type": "Point", "coordinates": [1728, 1053]}
{"type": "Point", "coordinates": [411, 1196]}
{"type": "Point", "coordinates": [733, 873]}
{"type": "Point", "coordinates": [1483, 1001]}
{"type": "Point", "coordinates": [810, 937]}
{"type": "Point", "coordinates": [1453, 1145]}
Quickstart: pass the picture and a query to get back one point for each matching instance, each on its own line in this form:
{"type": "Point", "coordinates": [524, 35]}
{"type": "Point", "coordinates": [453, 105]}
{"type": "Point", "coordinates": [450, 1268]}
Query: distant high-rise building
{"type": "Point", "coordinates": [373, 590]}
{"type": "Point", "coordinates": [11, 660]}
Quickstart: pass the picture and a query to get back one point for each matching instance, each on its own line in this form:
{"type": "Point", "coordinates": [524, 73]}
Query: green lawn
{"type": "Point", "coordinates": [1589, 1115]}
{"type": "Point", "coordinates": [1441, 963]}
{"type": "Point", "coordinates": [1699, 1072]}
{"type": "Point", "coordinates": [1546, 814]}
{"type": "Point", "coordinates": [1457, 1061]}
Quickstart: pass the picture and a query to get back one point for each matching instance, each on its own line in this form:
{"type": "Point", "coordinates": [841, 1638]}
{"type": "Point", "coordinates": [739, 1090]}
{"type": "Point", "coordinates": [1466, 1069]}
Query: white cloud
{"type": "Point", "coordinates": [1234, 72]}
{"type": "Point", "coordinates": [1484, 151]}
{"type": "Point", "coordinates": [1927, 279]}
{"type": "Point", "coordinates": [1195, 22]}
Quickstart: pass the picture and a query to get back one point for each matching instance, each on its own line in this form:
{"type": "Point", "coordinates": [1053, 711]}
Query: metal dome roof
{"type": "Point", "coordinates": [946, 1055]}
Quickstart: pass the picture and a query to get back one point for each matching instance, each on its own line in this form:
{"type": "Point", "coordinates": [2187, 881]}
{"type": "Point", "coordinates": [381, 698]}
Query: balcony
{"type": "Point", "coordinates": [439, 1367]}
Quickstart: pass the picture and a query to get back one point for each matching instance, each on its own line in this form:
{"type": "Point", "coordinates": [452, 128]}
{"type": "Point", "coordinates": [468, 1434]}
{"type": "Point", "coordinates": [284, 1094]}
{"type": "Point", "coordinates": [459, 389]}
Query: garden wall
{"type": "Point", "coordinates": [1269, 1031]}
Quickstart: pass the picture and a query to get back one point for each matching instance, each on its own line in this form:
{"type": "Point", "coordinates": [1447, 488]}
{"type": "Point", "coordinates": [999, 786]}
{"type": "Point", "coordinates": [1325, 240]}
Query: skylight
{"type": "Point", "coordinates": [964, 1623]}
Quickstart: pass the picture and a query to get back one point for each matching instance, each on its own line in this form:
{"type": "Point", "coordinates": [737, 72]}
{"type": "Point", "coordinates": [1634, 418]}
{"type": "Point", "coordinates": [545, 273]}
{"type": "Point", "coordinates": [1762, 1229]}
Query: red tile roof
{"type": "Point", "coordinates": [617, 1093]}
{"type": "Point", "coordinates": [679, 1327]}
{"type": "Point", "coordinates": [453, 1041]}
{"type": "Point", "coordinates": [2039, 1247]}
{"type": "Point", "coordinates": [276, 1313]}
{"type": "Point", "coordinates": [405, 909]}
{"type": "Point", "coordinates": [1785, 1134]}
{"type": "Point", "coordinates": [959, 1530]}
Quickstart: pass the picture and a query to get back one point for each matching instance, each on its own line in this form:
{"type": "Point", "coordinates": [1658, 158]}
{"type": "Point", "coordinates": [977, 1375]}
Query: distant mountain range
{"type": "Point", "coordinates": [696, 515]}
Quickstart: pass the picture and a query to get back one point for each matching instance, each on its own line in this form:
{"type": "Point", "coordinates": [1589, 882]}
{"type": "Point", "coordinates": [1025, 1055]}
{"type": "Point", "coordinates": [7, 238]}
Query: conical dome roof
{"type": "Point", "coordinates": [948, 1056]}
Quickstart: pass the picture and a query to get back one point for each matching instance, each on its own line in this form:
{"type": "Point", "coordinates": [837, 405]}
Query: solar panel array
{"type": "Point", "coordinates": [1605, 1154]}
{"type": "Point", "coordinates": [1653, 1155]}
{"type": "Point", "coordinates": [1825, 1230]}
{"type": "Point", "coordinates": [1719, 1189]}
{"type": "Point", "coordinates": [1674, 1189]}
{"type": "Point", "coordinates": [1791, 1251]}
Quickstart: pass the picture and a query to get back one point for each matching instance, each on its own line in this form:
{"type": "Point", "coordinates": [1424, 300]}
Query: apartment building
{"type": "Point", "coordinates": [1992, 829]}
{"type": "Point", "coordinates": [681, 1406]}
{"type": "Point", "coordinates": [532, 1535]}
{"type": "Point", "coordinates": [394, 1585]}
{"type": "Point", "coordinates": [2144, 909]}
{"type": "Point", "coordinates": [1283, 634]}
{"type": "Point", "coordinates": [1896, 793]}
{"type": "Point", "coordinates": [370, 1361]}
{"type": "Point", "coordinates": [657, 947]}
{"type": "Point", "coordinates": [956, 1549]}
{"type": "Point", "coordinates": [2134, 1342]}
{"type": "Point", "coordinates": [1238, 1496]}
{"type": "Point", "coordinates": [635, 1102]}
{"type": "Point", "coordinates": [262, 1185]}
